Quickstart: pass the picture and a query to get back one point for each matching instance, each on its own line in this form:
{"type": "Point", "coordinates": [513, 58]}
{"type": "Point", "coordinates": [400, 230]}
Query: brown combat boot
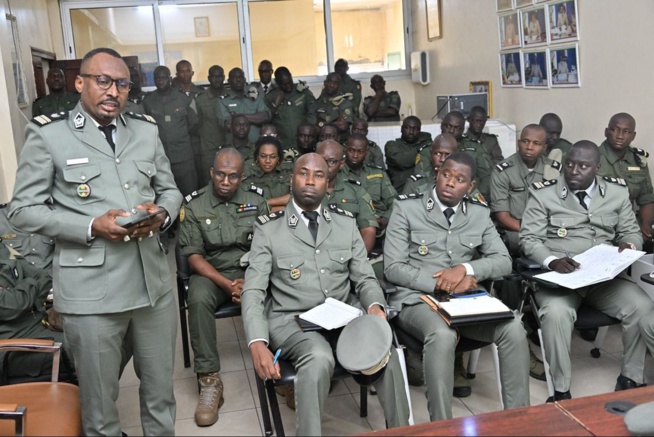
{"type": "Point", "coordinates": [211, 399]}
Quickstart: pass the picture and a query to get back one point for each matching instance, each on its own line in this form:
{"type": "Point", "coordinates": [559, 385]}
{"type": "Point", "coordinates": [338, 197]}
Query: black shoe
{"type": "Point", "coordinates": [625, 383]}
{"type": "Point", "coordinates": [559, 396]}
{"type": "Point", "coordinates": [588, 334]}
{"type": "Point", "coordinates": [462, 392]}
{"type": "Point", "coordinates": [462, 387]}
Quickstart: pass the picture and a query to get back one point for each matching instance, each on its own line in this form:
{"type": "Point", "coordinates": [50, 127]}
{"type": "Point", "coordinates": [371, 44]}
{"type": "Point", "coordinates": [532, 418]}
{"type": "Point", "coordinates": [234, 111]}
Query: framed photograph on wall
{"type": "Point", "coordinates": [201, 27]}
{"type": "Point", "coordinates": [433, 8]}
{"type": "Point", "coordinates": [511, 74]}
{"type": "Point", "coordinates": [509, 27]}
{"type": "Point", "coordinates": [563, 21]}
{"type": "Point", "coordinates": [564, 65]}
{"type": "Point", "coordinates": [484, 86]}
{"type": "Point", "coordinates": [504, 5]}
{"type": "Point", "coordinates": [523, 3]}
{"type": "Point", "coordinates": [534, 27]}
{"type": "Point", "coordinates": [535, 66]}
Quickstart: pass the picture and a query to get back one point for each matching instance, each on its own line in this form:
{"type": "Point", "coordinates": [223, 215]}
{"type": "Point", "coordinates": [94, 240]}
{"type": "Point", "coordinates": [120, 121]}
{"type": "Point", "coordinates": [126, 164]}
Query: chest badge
{"type": "Point", "coordinates": [562, 232]}
{"type": "Point", "coordinates": [83, 190]}
{"type": "Point", "coordinates": [423, 250]}
{"type": "Point", "coordinates": [295, 274]}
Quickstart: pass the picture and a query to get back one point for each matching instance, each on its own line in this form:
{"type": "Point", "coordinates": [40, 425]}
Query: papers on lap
{"type": "Point", "coordinates": [465, 311]}
{"type": "Point", "coordinates": [598, 264]}
{"type": "Point", "coordinates": [332, 314]}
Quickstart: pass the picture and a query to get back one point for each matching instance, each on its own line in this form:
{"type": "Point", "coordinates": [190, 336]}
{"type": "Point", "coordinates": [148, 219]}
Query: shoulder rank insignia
{"type": "Point", "coordinates": [409, 196]}
{"type": "Point", "coordinates": [556, 165]}
{"type": "Point", "coordinates": [354, 181]}
{"type": "Point", "coordinates": [42, 120]}
{"type": "Point", "coordinates": [327, 215]}
{"type": "Point", "coordinates": [340, 211]}
{"type": "Point", "coordinates": [417, 177]}
{"type": "Point", "coordinates": [477, 200]}
{"type": "Point", "coordinates": [142, 117]}
{"type": "Point", "coordinates": [378, 167]}
{"type": "Point", "coordinates": [255, 189]}
{"type": "Point", "coordinates": [503, 166]}
{"type": "Point", "coordinates": [641, 152]}
{"type": "Point", "coordinates": [263, 219]}
{"type": "Point", "coordinates": [543, 184]}
{"type": "Point", "coordinates": [191, 196]}
{"type": "Point", "coordinates": [617, 181]}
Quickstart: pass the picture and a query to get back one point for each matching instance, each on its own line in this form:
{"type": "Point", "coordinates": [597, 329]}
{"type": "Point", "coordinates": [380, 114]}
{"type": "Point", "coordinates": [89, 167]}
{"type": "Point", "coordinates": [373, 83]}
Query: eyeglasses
{"type": "Point", "coordinates": [232, 178]}
{"type": "Point", "coordinates": [105, 82]}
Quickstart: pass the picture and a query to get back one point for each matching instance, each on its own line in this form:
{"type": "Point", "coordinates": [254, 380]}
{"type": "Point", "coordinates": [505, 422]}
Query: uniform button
{"type": "Point", "coordinates": [450, 252]}
{"type": "Point", "coordinates": [140, 238]}
{"type": "Point", "coordinates": [326, 292]}
{"type": "Point", "coordinates": [470, 244]}
{"type": "Point", "coordinates": [449, 232]}
{"type": "Point", "coordinates": [31, 235]}
{"type": "Point", "coordinates": [317, 251]}
{"type": "Point", "coordinates": [590, 215]}
{"type": "Point", "coordinates": [422, 241]}
{"type": "Point", "coordinates": [322, 270]}
{"type": "Point", "coordinates": [149, 172]}
{"type": "Point", "coordinates": [117, 160]}
{"type": "Point", "coordinates": [126, 186]}
{"type": "Point", "coordinates": [80, 259]}
{"type": "Point", "coordinates": [83, 177]}
{"type": "Point", "coordinates": [341, 258]}
{"type": "Point", "coordinates": [11, 244]}
{"type": "Point", "coordinates": [33, 250]}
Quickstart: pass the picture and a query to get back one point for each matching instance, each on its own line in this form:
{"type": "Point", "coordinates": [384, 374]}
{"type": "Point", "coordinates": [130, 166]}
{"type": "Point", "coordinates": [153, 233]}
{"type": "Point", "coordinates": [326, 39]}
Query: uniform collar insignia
{"type": "Point", "coordinates": [464, 207]}
{"type": "Point", "coordinates": [292, 220]}
{"type": "Point", "coordinates": [564, 193]}
{"type": "Point", "coordinates": [122, 119]}
{"type": "Point", "coordinates": [601, 189]}
{"type": "Point", "coordinates": [430, 204]}
{"type": "Point", "coordinates": [327, 215]}
{"type": "Point", "coordinates": [79, 121]}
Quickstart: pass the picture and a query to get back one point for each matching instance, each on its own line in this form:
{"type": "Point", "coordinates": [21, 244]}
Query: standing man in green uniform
{"type": "Point", "coordinates": [476, 122]}
{"type": "Point", "coordinates": [557, 147]}
{"type": "Point", "coordinates": [405, 154]}
{"type": "Point", "coordinates": [445, 241]}
{"type": "Point", "coordinates": [304, 254]}
{"type": "Point", "coordinates": [59, 99]}
{"type": "Point", "coordinates": [332, 107]}
{"type": "Point", "coordinates": [171, 109]}
{"type": "Point", "coordinates": [136, 95]}
{"type": "Point", "coordinates": [348, 85]}
{"type": "Point", "coordinates": [348, 194]}
{"type": "Point", "coordinates": [236, 101]}
{"type": "Point", "coordinates": [212, 132]}
{"type": "Point", "coordinates": [382, 106]}
{"type": "Point", "coordinates": [184, 74]}
{"type": "Point", "coordinates": [216, 232]}
{"type": "Point", "coordinates": [240, 133]}
{"type": "Point", "coordinates": [619, 160]}
{"type": "Point", "coordinates": [113, 285]}
{"type": "Point", "coordinates": [289, 104]}
{"type": "Point", "coordinates": [565, 217]}
{"type": "Point", "coordinates": [375, 155]}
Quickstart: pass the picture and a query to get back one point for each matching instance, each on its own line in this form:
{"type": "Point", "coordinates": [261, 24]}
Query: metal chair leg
{"type": "Point", "coordinates": [183, 324]}
{"type": "Point", "coordinates": [599, 340]}
{"type": "Point", "coordinates": [263, 402]}
{"type": "Point", "coordinates": [473, 359]}
{"type": "Point", "coordinates": [274, 408]}
{"type": "Point", "coordinates": [363, 397]}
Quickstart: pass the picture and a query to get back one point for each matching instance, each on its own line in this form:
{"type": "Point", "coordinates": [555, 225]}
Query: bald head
{"type": "Point", "coordinates": [229, 156]}
{"type": "Point", "coordinates": [307, 159]}
{"type": "Point", "coordinates": [226, 173]}
{"type": "Point", "coordinates": [328, 145]}
{"type": "Point", "coordinates": [444, 141]}
{"type": "Point", "coordinates": [588, 147]}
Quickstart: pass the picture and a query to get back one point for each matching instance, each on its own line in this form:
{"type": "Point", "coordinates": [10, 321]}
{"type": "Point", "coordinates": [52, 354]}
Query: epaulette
{"type": "Point", "coordinates": [354, 181]}
{"type": "Point", "coordinates": [503, 166]}
{"type": "Point", "coordinates": [409, 196]}
{"type": "Point", "coordinates": [142, 117]}
{"type": "Point", "coordinates": [556, 165]}
{"type": "Point", "coordinates": [641, 152]}
{"type": "Point", "coordinates": [224, 96]}
{"type": "Point", "coordinates": [543, 184]}
{"type": "Point", "coordinates": [378, 167]}
{"type": "Point", "coordinates": [42, 120]}
{"type": "Point", "coordinates": [475, 201]}
{"type": "Point", "coordinates": [192, 196]}
{"type": "Point", "coordinates": [255, 189]}
{"type": "Point", "coordinates": [417, 177]}
{"type": "Point", "coordinates": [333, 207]}
{"type": "Point", "coordinates": [3, 205]}
{"type": "Point", "coordinates": [617, 181]}
{"type": "Point", "coordinates": [263, 219]}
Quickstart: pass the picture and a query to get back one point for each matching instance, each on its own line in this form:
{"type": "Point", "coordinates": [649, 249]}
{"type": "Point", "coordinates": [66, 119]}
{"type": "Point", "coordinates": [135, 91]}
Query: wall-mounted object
{"type": "Point", "coordinates": [484, 86]}
{"type": "Point", "coordinates": [420, 67]}
{"type": "Point", "coordinates": [433, 9]}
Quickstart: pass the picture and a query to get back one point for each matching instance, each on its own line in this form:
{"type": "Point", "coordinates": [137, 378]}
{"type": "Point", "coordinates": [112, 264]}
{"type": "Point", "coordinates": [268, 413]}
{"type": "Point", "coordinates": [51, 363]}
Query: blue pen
{"type": "Point", "coordinates": [277, 354]}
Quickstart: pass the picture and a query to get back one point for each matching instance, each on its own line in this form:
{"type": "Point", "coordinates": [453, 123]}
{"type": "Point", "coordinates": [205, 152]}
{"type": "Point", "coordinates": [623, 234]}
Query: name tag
{"type": "Point", "coordinates": [633, 168]}
{"type": "Point", "coordinates": [232, 105]}
{"type": "Point", "coordinates": [518, 189]}
{"type": "Point", "coordinates": [375, 176]}
{"type": "Point", "coordinates": [77, 161]}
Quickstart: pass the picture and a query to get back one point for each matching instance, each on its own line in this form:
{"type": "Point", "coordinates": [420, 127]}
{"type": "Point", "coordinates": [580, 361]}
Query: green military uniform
{"type": "Point", "coordinates": [299, 274]}
{"type": "Point", "coordinates": [211, 130]}
{"type": "Point", "coordinates": [389, 100]}
{"type": "Point", "coordinates": [327, 109]}
{"type": "Point", "coordinates": [486, 153]}
{"type": "Point", "coordinates": [36, 249]}
{"type": "Point", "coordinates": [375, 156]}
{"type": "Point", "coordinates": [420, 183]}
{"type": "Point", "coordinates": [274, 184]}
{"type": "Point", "coordinates": [377, 184]}
{"type": "Point", "coordinates": [176, 119]}
{"type": "Point", "coordinates": [560, 150]}
{"type": "Point", "coordinates": [510, 187]}
{"type": "Point", "coordinates": [632, 168]}
{"type": "Point", "coordinates": [349, 195]}
{"type": "Point", "coordinates": [402, 159]}
{"type": "Point", "coordinates": [108, 293]}
{"type": "Point", "coordinates": [202, 176]}
{"type": "Point", "coordinates": [421, 242]}
{"type": "Point", "coordinates": [221, 232]}
{"type": "Point", "coordinates": [135, 103]}
{"type": "Point", "coordinates": [349, 85]}
{"type": "Point", "coordinates": [230, 104]}
{"type": "Point", "coordinates": [193, 92]}
{"type": "Point", "coordinates": [488, 142]}
{"type": "Point", "coordinates": [554, 224]}
{"type": "Point", "coordinates": [52, 103]}
{"type": "Point", "coordinates": [291, 112]}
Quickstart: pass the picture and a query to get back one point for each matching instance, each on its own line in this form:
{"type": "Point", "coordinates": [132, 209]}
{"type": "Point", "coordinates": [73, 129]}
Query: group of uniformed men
{"type": "Point", "coordinates": [310, 216]}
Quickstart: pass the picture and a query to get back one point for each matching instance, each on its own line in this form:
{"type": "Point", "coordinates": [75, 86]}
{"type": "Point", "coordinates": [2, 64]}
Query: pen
{"type": "Point", "coordinates": [567, 254]}
{"type": "Point", "coordinates": [275, 358]}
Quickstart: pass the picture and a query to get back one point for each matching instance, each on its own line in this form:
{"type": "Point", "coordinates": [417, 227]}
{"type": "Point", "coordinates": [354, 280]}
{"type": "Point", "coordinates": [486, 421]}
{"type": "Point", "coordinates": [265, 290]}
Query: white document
{"type": "Point", "coordinates": [598, 264]}
{"type": "Point", "coordinates": [332, 314]}
{"type": "Point", "coordinates": [473, 306]}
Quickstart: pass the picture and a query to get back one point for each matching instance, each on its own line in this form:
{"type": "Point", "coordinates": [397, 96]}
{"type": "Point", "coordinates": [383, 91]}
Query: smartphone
{"type": "Point", "coordinates": [135, 219]}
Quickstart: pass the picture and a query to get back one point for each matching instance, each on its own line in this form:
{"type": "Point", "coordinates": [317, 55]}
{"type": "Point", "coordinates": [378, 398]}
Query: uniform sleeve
{"type": "Point", "coordinates": [29, 290]}
{"type": "Point", "coordinates": [366, 217]}
{"type": "Point", "coordinates": [223, 112]}
{"type": "Point", "coordinates": [496, 151]}
{"type": "Point", "coordinates": [399, 156]}
{"type": "Point", "coordinates": [647, 192]}
{"type": "Point", "coordinates": [312, 117]}
{"type": "Point", "coordinates": [628, 230]}
{"type": "Point", "coordinates": [388, 195]}
{"type": "Point", "coordinates": [500, 191]}
{"type": "Point", "coordinates": [395, 101]}
{"type": "Point", "coordinates": [533, 229]}
{"type": "Point", "coordinates": [262, 107]}
{"type": "Point", "coordinates": [190, 237]}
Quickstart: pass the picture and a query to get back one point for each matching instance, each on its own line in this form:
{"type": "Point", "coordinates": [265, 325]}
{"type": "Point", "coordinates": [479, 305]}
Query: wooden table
{"type": "Point", "coordinates": [583, 416]}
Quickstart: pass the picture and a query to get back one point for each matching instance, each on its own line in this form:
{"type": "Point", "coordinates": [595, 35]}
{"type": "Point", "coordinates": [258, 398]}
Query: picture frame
{"type": "Point", "coordinates": [564, 66]}
{"type": "Point", "coordinates": [534, 27]}
{"type": "Point", "coordinates": [433, 9]}
{"type": "Point", "coordinates": [509, 30]}
{"type": "Point", "coordinates": [22, 97]}
{"type": "Point", "coordinates": [202, 27]}
{"type": "Point", "coordinates": [536, 69]}
{"type": "Point", "coordinates": [523, 3]}
{"type": "Point", "coordinates": [511, 73]}
{"type": "Point", "coordinates": [563, 21]}
{"type": "Point", "coordinates": [504, 5]}
{"type": "Point", "coordinates": [484, 86]}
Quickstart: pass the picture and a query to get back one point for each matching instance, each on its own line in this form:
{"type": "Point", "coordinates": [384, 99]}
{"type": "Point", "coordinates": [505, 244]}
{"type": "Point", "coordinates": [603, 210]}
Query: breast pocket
{"type": "Point", "coordinates": [83, 183]}
{"type": "Point", "coordinates": [291, 271]}
{"type": "Point", "coordinates": [245, 229]}
{"type": "Point", "coordinates": [423, 243]}
{"type": "Point", "coordinates": [145, 172]}
{"type": "Point", "coordinates": [211, 231]}
{"type": "Point", "coordinates": [340, 260]}
{"type": "Point", "coordinates": [469, 245]}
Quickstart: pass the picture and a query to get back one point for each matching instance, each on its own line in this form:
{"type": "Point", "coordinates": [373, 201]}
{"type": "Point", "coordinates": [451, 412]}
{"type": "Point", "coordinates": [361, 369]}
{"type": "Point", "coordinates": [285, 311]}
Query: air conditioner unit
{"type": "Point", "coordinates": [460, 102]}
{"type": "Point", "coordinates": [420, 67]}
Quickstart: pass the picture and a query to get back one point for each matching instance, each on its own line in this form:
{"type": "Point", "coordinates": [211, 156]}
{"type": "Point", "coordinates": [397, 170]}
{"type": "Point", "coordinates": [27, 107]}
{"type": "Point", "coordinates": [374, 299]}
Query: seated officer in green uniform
{"type": "Point", "coordinates": [619, 160]}
{"type": "Point", "coordinates": [329, 132]}
{"type": "Point", "coordinates": [304, 254]}
{"type": "Point", "coordinates": [59, 99]}
{"type": "Point", "coordinates": [267, 174]}
{"type": "Point", "coordinates": [216, 231]}
{"type": "Point", "coordinates": [442, 147]}
{"type": "Point", "coordinates": [348, 194]}
{"type": "Point", "coordinates": [212, 132]}
{"type": "Point", "coordinates": [332, 107]}
{"type": "Point", "coordinates": [348, 85]}
{"type": "Point", "coordinates": [565, 217]}
{"type": "Point", "coordinates": [375, 155]}
{"type": "Point", "coordinates": [557, 147]}
{"type": "Point", "coordinates": [406, 153]}
{"type": "Point", "coordinates": [240, 133]}
{"type": "Point", "coordinates": [443, 240]}
{"type": "Point", "coordinates": [476, 122]}
{"type": "Point", "coordinates": [34, 248]}
{"type": "Point", "coordinates": [382, 106]}
{"type": "Point", "coordinates": [289, 104]}
{"type": "Point", "coordinates": [513, 176]}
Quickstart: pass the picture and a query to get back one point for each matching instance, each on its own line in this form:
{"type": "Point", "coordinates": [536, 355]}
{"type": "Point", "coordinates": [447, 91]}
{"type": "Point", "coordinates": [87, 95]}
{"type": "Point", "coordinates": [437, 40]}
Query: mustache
{"type": "Point", "coordinates": [110, 99]}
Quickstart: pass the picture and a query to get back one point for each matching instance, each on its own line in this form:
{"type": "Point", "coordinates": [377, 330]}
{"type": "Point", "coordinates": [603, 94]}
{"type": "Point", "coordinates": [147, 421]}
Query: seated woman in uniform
{"type": "Point", "coordinates": [267, 174]}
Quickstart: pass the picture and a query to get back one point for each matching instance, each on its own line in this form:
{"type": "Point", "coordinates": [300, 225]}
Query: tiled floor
{"type": "Point", "coordinates": [241, 415]}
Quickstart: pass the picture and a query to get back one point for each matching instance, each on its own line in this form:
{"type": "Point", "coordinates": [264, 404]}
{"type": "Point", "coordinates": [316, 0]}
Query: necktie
{"type": "Point", "coordinates": [313, 223]}
{"type": "Point", "coordinates": [581, 195]}
{"type": "Point", "coordinates": [108, 133]}
{"type": "Point", "coordinates": [265, 89]}
{"type": "Point", "coordinates": [449, 212]}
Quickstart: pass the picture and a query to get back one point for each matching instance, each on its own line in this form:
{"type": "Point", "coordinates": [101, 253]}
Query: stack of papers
{"type": "Point", "coordinates": [332, 314]}
{"type": "Point", "coordinates": [470, 310]}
